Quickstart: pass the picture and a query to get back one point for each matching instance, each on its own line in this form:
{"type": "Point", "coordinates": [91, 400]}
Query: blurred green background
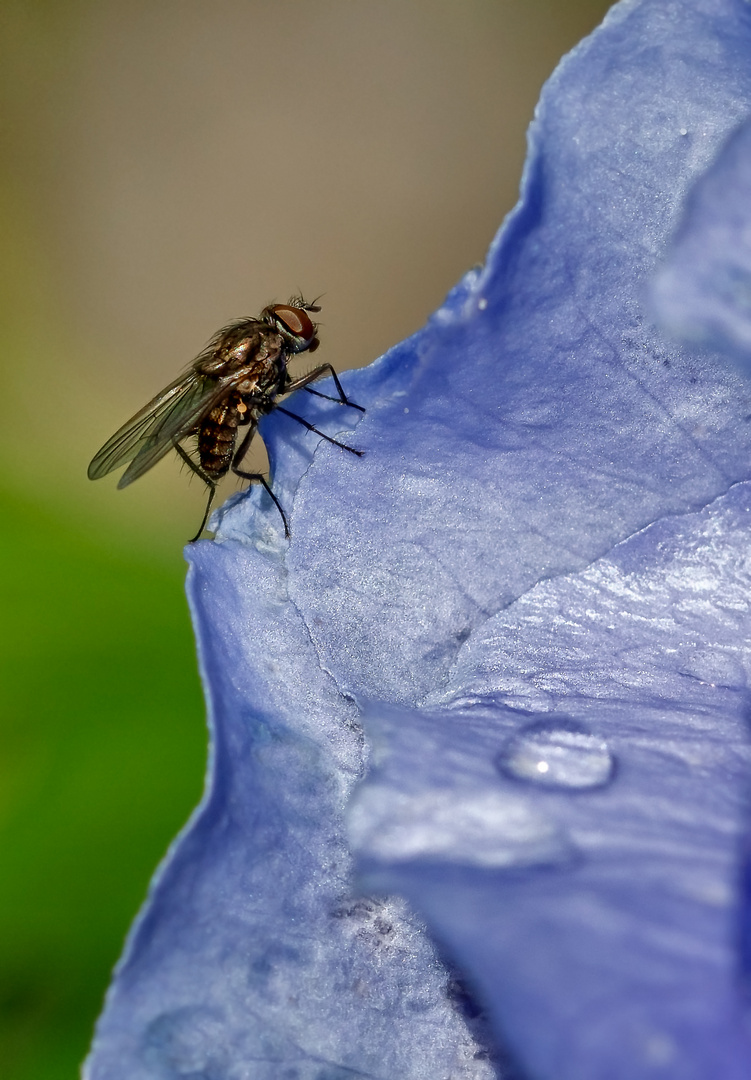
{"type": "Point", "coordinates": [165, 168]}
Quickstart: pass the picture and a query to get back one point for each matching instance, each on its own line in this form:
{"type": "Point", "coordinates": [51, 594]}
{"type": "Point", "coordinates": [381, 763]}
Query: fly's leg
{"type": "Point", "coordinates": [237, 458]}
{"type": "Point", "coordinates": [352, 405]}
{"type": "Point", "coordinates": [310, 427]}
{"type": "Point", "coordinates": [262, 479]}
{"type": "Point", "coordinates": [318, 373]}
{"type": "Point", "coordinates": [207, 481]}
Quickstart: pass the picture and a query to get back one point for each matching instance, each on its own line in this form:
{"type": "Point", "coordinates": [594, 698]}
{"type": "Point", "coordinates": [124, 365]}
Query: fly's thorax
{"type": "Point", "coordinates": [239, 345]}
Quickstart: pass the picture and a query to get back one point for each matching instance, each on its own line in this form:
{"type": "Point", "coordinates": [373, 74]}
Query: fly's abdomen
{"type": "Point", "coordinates": [216, 440]}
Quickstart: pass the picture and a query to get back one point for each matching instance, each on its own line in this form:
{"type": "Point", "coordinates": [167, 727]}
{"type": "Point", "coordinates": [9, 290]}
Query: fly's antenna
{"type": "Point", "coordinates": [298, 301]}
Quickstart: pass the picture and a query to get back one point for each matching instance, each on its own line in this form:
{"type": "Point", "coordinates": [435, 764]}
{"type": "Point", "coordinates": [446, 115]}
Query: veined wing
{"type": "Point", "coordinates": [154, 429]}
{"type": "Point", "coordinates": [179, 422]}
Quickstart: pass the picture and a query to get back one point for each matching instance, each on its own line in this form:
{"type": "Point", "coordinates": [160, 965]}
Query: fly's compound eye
{"type": "Point", "coordinates": [297, 323]}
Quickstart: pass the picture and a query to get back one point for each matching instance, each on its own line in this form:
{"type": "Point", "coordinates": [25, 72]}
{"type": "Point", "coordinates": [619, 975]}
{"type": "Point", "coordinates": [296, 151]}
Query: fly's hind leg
{"type": "Point", "coordinates": [207, 481]}
{"type": "Point", "coordinates": [318, 373]}
{"type": "Point", "coordinates": [238, 456]}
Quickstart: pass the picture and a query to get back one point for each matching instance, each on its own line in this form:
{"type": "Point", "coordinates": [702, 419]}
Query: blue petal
{"type": "Point", "coordinates": [569, 811]}
{"type": "Point", "coordinates": [703, 293]}
{"type": "Point", "coordinates": [485, 571]}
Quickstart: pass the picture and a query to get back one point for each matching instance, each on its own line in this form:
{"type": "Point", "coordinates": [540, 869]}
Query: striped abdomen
{"type": "Point", "coordinates": [216, 439]}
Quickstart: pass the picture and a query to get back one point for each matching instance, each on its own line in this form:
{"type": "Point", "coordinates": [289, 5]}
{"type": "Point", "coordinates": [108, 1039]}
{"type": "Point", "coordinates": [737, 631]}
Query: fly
{"type": "Point", "coordinates": [238, 378]}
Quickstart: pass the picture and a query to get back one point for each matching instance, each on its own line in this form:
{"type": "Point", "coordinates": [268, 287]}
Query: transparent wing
{"type": "Point", "coordinates": [175, 427]}
{"type": "Point", "coordinates": [149, 434]}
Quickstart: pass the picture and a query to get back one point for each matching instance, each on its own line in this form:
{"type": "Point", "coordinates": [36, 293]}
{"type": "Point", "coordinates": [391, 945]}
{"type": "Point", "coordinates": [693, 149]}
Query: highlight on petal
{"type": "Point", "coordinates": [535, 588]}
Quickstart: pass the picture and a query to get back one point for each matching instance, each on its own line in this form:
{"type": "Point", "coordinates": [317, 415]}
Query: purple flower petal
{"type": "Point", "coordinates": [599, 914]}
{"type": "Point", "coordinates": [703, 293]}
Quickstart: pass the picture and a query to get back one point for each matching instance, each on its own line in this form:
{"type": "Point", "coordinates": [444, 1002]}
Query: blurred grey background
{"type": "Point", "coordinates": [167, 167]}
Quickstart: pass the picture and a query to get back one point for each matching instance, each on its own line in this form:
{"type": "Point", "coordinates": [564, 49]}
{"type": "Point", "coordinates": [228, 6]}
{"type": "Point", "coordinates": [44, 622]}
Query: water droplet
{"type": "Point", "coordinates": [482, 303]}
{"type": "Point", "coordinates": [558, 754]}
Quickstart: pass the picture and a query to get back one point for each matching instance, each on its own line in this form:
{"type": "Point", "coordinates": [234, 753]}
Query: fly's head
{"type": "Point", "coordinates": [292, 321]}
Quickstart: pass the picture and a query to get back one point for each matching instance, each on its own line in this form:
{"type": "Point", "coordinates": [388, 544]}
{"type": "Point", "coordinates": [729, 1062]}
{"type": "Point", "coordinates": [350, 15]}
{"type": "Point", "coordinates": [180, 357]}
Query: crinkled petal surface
{"type": "Point", "coordinates": [535, 586]}
{"type": "Point", "coordinates": [591, 755]}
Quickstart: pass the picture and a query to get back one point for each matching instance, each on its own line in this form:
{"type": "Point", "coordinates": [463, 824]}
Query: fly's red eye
{"type": "Point", "coordinates": [295, 320]}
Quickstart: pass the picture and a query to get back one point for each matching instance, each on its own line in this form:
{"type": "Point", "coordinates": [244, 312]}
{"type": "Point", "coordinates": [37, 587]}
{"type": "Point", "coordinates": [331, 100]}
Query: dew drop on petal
{"type": "Point", "coordinates": [558, 754]}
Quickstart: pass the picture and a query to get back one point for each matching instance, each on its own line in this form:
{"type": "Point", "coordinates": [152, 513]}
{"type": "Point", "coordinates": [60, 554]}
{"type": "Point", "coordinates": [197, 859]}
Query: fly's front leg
{"type": "Point", "coordinates": [318, 373]}
{"type": "Point", "coordinates": [237, 458]}
{"type": "Point", "coordinates": [207, 481]}
{"type": "Point", "coordinates": [309, 426]}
